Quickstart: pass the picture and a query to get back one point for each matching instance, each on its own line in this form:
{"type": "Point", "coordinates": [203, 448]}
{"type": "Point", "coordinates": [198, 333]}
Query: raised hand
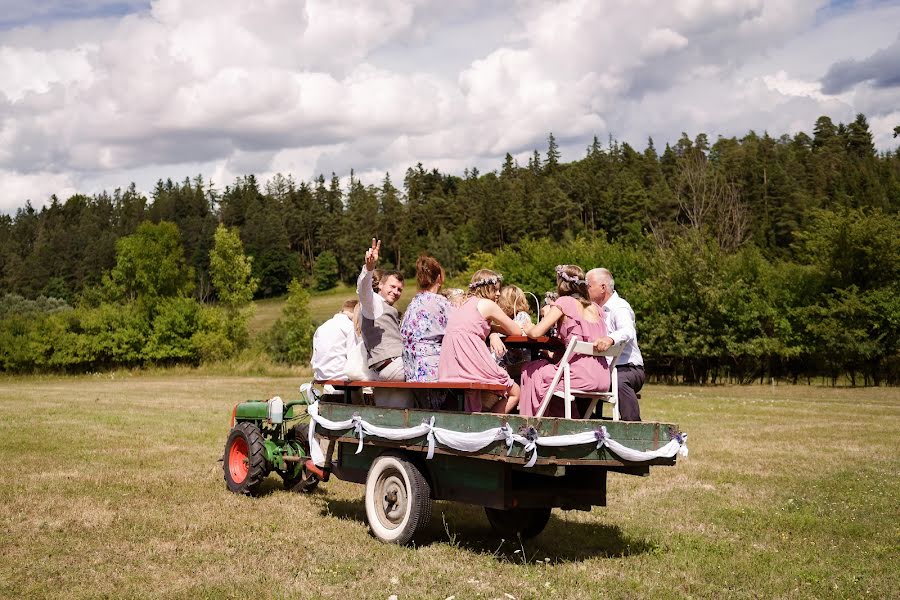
{"type": "Point", "coordinates": [372, 254]}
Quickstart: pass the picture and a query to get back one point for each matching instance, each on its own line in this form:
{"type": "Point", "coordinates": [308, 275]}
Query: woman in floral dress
{"type": "Point", "coordinates": [423, 326]}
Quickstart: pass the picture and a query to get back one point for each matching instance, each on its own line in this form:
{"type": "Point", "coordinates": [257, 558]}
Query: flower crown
{"type": "Point", "coordinates": [561, 273]}
{"type": "Point", "coordinates": [492, 280]}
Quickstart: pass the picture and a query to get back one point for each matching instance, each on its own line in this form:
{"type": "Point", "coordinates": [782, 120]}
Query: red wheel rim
{"type": "Point", "coordinates": [237, 460]}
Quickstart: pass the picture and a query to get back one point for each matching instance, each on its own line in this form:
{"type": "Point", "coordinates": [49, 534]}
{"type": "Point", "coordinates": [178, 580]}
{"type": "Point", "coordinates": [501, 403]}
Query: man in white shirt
{"type": "Point", "coordinates": [620, 329]}
{"type": "Point", "coordinates": [332, 343]}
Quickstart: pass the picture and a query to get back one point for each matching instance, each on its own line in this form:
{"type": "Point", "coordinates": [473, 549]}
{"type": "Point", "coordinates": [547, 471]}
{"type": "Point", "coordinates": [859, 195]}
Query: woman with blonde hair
{"type": "Point", "coordinates": [574, 315]}
{"type": "Point", "coordinates": [465, 356]}
{"type": "Point", "coordinates": [513, 302]}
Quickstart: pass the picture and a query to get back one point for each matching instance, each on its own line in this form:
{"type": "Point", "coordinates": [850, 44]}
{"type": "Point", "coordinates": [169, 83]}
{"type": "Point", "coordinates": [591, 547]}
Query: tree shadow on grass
{"type": "Point", "coordinates": [466, 527]}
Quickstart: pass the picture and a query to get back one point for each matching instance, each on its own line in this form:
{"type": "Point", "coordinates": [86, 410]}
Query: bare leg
{"type": "Point", "coordinates": [512, 400]}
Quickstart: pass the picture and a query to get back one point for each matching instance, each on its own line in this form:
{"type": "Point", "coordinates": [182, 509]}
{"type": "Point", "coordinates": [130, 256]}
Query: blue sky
{"type": "Point", "coordinates": [14, 14]}
{"type": "Point", "coordinates": [96, 94]}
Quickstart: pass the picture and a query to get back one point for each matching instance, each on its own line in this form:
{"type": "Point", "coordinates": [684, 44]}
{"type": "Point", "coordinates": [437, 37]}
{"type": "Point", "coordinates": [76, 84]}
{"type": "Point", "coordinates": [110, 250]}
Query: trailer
{"type": "Point", "coordinates": [518, 469]}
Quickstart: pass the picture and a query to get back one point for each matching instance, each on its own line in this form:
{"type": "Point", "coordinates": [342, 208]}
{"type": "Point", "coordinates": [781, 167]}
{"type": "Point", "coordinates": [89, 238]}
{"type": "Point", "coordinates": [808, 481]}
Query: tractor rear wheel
{"type": "Point", "coordinates": [245, 459]}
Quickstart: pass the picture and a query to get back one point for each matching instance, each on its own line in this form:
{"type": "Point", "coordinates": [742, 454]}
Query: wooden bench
{"type": "Point", "coordinates": [457, 388]}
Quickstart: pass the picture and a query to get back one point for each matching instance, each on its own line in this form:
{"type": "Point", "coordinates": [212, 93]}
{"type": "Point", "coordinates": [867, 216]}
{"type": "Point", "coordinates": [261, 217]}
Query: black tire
{"type": "Point", "coordinates": [244, 446]}
{"type": "Point", "coordinates": [398, 499]}
{"type": "Point", "coordinates": [305, 482]}
{"type": "Point", "coordinates": [525, 522]}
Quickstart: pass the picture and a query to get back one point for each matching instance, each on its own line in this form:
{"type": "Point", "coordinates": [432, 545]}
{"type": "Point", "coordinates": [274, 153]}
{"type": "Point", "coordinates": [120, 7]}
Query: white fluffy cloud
{"type": "Point", "coordinates": [92, 99]}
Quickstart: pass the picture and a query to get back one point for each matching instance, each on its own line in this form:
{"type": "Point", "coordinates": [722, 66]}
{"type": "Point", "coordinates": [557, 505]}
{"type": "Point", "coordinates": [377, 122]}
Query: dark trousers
{"type": "Point", "coordinates": [631, 380]}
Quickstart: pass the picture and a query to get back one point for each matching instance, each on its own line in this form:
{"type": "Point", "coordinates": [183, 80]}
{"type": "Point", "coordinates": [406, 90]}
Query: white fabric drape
{"type": "Point", "coordinates": [475, 441]}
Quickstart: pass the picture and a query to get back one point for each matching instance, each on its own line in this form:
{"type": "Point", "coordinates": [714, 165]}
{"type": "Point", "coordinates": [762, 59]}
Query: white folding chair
{"type": "Point", "coordinates": [568, 395]}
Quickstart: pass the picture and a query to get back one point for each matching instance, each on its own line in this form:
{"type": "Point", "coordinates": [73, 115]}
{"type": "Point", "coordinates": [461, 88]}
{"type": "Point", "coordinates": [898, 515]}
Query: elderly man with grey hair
{"type": "Point", "coordinates": [620, 327]}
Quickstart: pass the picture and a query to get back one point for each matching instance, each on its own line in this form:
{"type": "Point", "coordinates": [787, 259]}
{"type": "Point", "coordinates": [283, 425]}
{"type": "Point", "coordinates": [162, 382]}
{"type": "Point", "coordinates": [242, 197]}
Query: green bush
{"type": "Point", "coordinates": [81, 339]}
{"type": "Point", "coordinates": [14, 304]}
{"type": "Point", "coordinates": [290, 339]}
{"type": "Point", "coordinates": [173, 326]}
{"type": "Point", "coordinates": [213, 341]}
{"type": "Point", "coordinates": [325, 271]}
{"type": "Point", "coordinates": [150, 264]}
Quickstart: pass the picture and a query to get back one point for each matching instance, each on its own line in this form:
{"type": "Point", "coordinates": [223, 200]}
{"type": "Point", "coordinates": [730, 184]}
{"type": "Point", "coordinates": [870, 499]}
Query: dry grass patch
{"type": "Point", "coordinates": [111, 487]}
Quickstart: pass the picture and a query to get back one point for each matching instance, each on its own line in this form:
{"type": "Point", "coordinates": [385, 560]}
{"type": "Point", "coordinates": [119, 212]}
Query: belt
{"type": "Point", "coordinates": [630, 366]}
{"type": "Point", "coordinates": [378, 367]}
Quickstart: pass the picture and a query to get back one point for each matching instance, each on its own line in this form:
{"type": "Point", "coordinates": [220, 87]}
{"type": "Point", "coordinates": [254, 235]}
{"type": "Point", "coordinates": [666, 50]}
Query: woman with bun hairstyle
{"type": "Point", "coordinates": [465, 355]}
{"type": "Point", "coordinates": [424, 321]}
{"type": "Point", "coordinates": [574, 315]}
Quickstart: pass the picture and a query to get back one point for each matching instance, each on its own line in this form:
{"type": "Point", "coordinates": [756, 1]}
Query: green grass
{"type": "Point", "coordinates": [265, 313]}
{"type": "Point", "coordinates": [111, 487]}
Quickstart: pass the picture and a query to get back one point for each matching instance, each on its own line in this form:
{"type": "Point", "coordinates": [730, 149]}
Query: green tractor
{"type": "Point", "coordinates": [269, 436]}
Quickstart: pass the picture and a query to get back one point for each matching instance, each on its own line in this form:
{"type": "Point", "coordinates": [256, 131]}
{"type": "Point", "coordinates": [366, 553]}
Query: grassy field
{"type": "Point", "coordinates": [111, 487]}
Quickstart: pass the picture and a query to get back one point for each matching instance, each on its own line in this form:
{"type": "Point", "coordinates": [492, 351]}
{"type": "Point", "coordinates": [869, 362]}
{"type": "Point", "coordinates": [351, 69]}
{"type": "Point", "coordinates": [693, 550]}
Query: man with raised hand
{"type": "Point", "coordinates": [620, 330]}
{"type": "Point", "coordinates": [380, 325]}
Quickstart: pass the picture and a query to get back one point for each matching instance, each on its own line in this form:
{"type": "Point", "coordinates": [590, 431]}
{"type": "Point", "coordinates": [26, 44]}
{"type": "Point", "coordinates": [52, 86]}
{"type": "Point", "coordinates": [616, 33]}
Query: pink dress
{"type": "Point", "coordinates": [464, 354]}
{"type": "Point", "coordinates": [588, 373]}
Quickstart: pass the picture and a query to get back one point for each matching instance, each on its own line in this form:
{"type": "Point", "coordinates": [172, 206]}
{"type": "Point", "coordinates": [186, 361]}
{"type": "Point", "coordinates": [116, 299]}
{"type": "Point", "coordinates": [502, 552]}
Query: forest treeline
{"type": "Point", "coordinates": [745, 258]}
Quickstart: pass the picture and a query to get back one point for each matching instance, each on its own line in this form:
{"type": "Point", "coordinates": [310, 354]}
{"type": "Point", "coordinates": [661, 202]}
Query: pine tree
{"type": "Point", "coordinates": [553, 155]}
{"type": "Point", "coordinates": [859, 138]}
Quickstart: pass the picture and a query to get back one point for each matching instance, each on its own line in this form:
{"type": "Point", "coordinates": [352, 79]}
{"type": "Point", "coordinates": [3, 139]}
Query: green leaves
{"type": "Point", "coordinates": [290, 339]}
{"type": "Point", "coordinates": [150, 265]}
{"type": "Point", "coordinates": [325, 271]}
{"type": "Point", "coordinates": [231, 270]}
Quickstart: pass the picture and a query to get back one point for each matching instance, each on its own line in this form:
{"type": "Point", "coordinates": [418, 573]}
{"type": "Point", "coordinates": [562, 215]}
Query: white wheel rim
{"type": "Point", "coordinates": [391, 499]}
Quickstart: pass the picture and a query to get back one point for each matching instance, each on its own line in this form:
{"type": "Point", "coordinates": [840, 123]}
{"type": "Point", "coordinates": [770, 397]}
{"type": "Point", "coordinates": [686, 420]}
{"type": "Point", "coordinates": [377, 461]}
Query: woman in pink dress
{"type": "Point", "coordinates": [574, 315]}
{"type": "Point", "coordinates": [464, 354]}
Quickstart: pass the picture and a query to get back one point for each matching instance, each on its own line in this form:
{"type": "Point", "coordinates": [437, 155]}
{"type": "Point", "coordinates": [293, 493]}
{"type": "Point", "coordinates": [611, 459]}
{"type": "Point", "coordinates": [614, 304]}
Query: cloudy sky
{"type": "Point", "coordinates": [95, 94]}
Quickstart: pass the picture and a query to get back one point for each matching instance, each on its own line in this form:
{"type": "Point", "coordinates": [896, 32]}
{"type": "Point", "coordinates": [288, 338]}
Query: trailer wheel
{"type": "Point", "coordinates": [245, 459]}
{"type": "Point", "coordinates": [398, 499]}
{"type": "Point", "coordinates": [527, 522]}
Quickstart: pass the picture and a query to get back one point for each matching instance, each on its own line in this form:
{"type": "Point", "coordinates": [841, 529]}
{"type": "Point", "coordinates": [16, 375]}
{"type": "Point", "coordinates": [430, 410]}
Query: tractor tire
{"type": "Point", "coordinates": [306, 482]}
{"type": "Point", "coordinates": [245, 459]}
{"type": "Point", "coordinates": [515, 522]}
{"type": "Point", "coordinates": [398, 499]}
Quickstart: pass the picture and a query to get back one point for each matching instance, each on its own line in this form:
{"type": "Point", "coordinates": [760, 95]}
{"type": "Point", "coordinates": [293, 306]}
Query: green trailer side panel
{"type": "Point", "coordinates": [488, 483]}
{"type": "Point", "coordinates": [637, 435]}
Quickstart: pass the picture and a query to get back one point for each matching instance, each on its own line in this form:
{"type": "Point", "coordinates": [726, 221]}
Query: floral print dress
{"type": "Point", "coordinates": [422, 331]}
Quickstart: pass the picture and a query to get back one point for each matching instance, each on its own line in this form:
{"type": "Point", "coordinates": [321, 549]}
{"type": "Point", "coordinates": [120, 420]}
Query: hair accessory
{"type": "Point", "coordinates": [561, 273]}
{"type": "Point", "coordinates": [493, 280]}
